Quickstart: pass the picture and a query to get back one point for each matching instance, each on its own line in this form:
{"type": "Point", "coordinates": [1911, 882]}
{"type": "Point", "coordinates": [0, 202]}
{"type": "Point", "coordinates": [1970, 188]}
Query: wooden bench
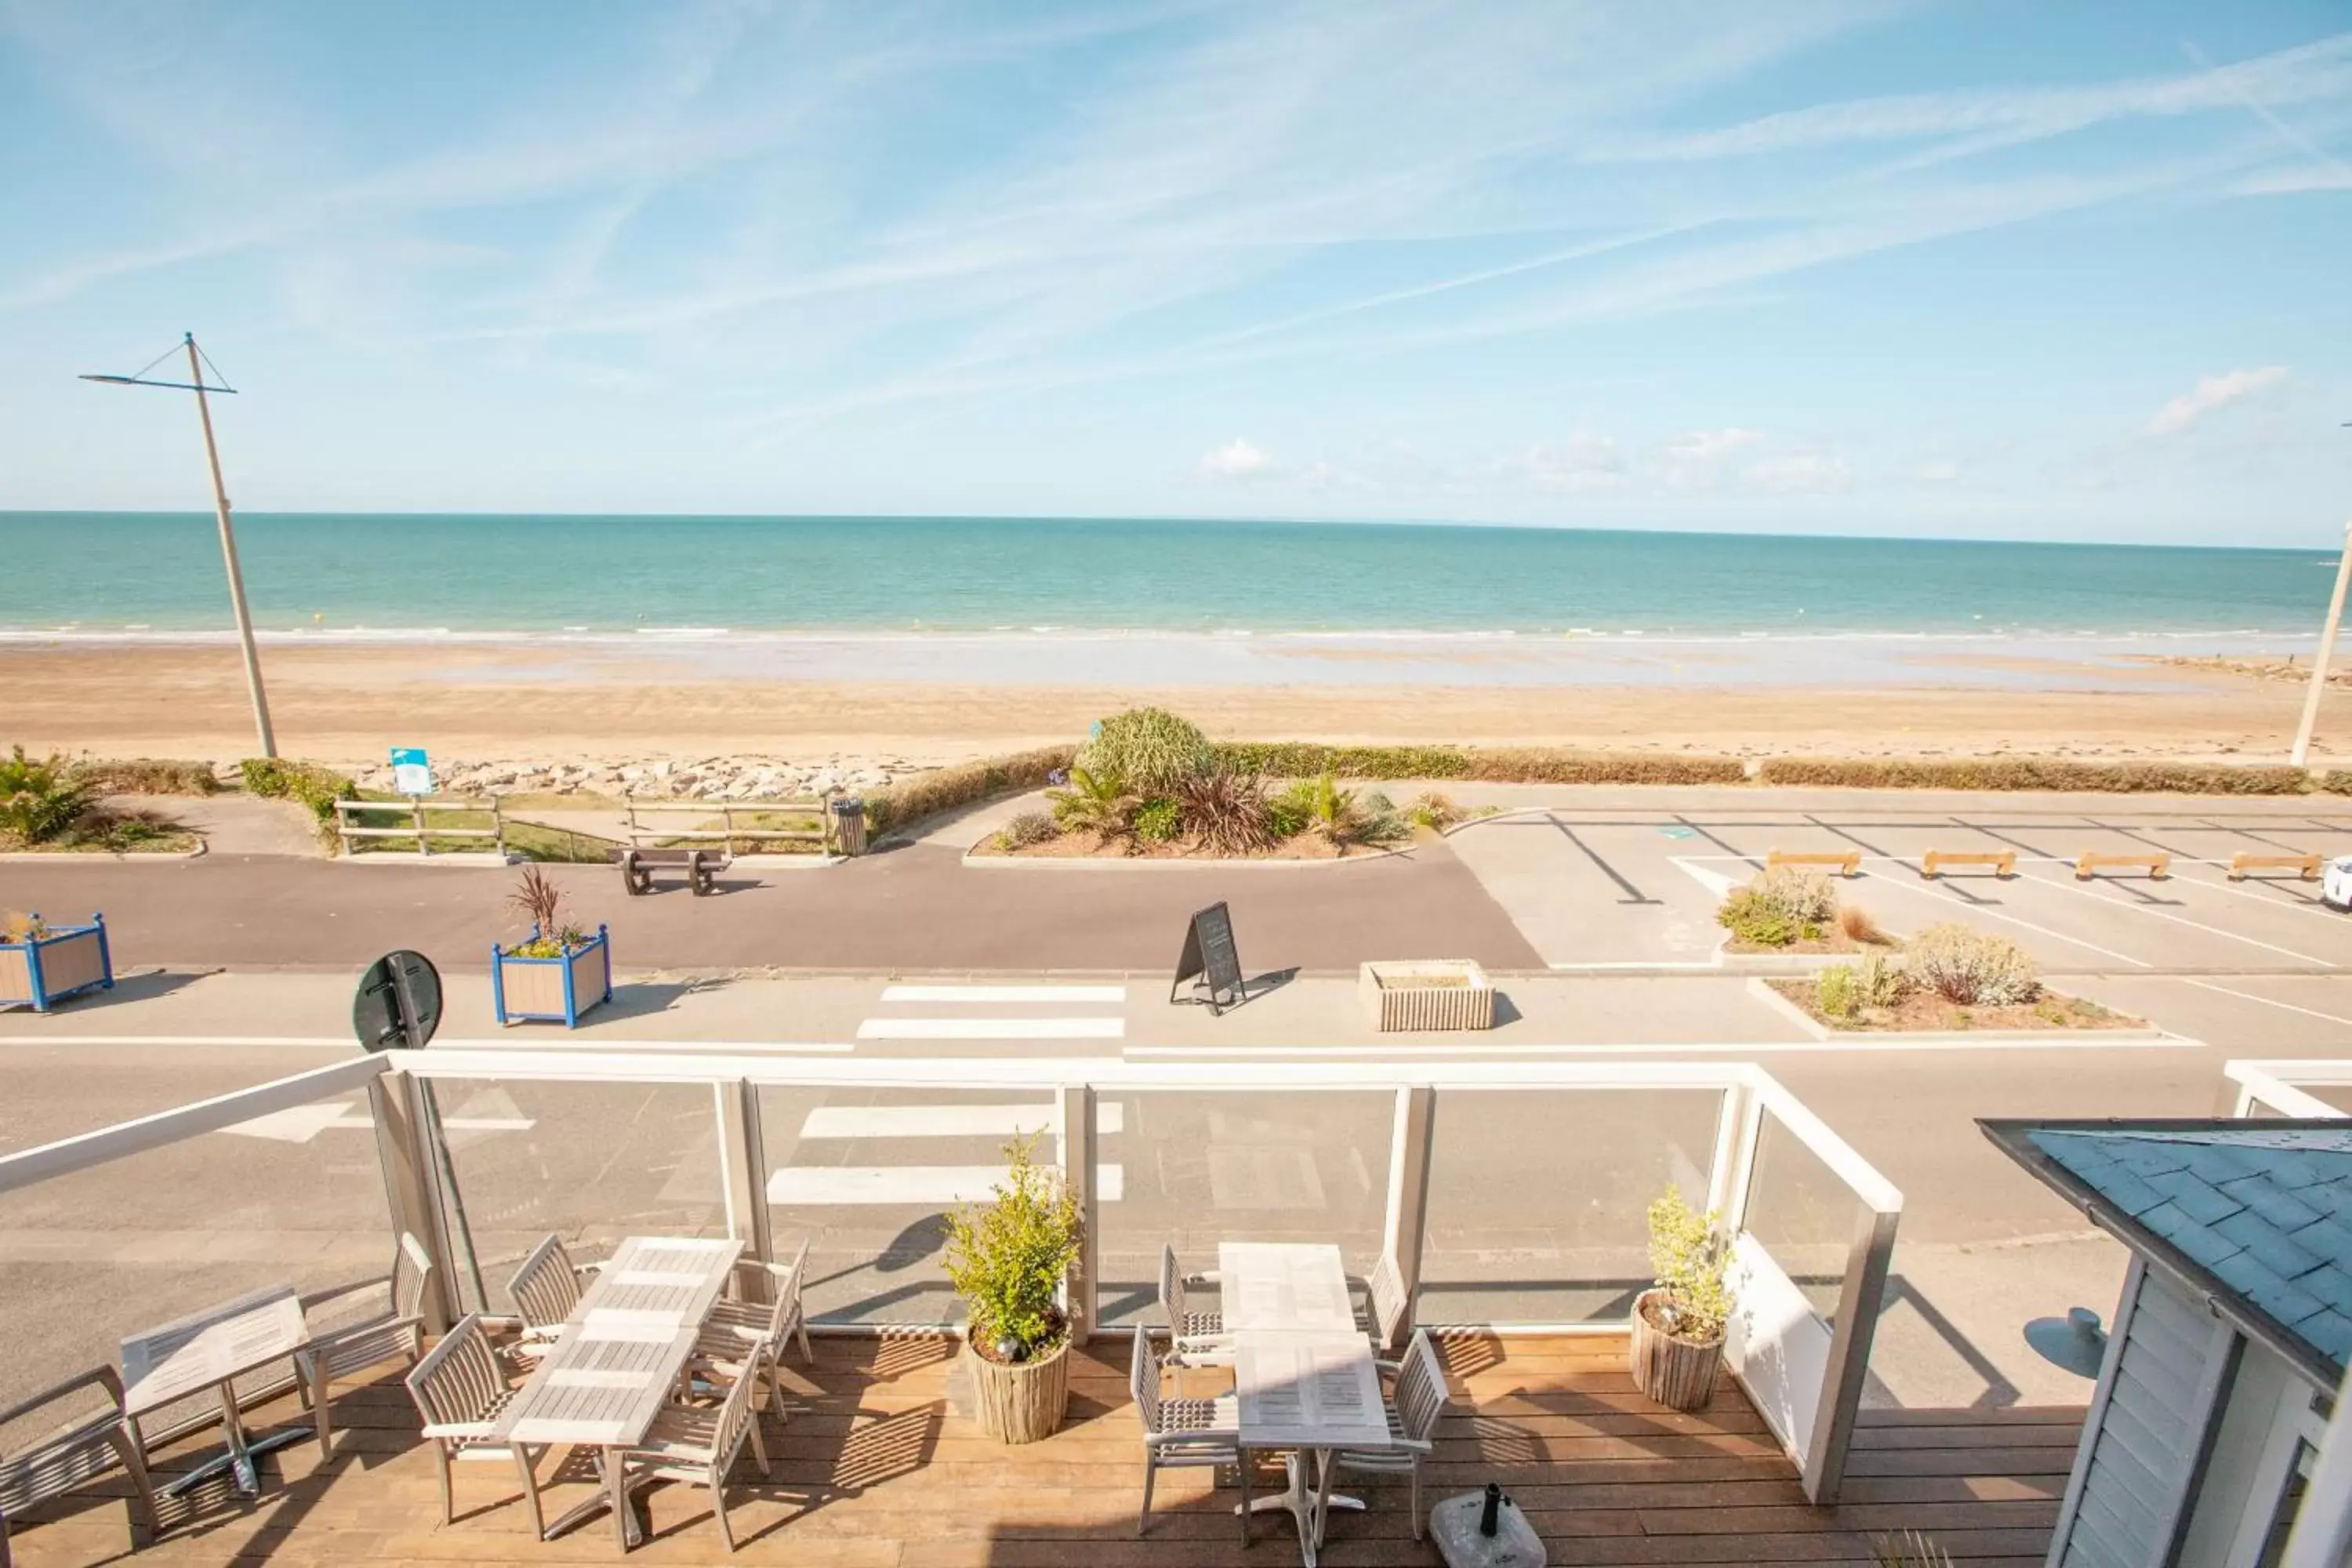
{"type": "Point", "coordinates": [1848, 862]}
{"type": "Point", "coordinates": [2002, 861]}
{"type": "Point", "coordinates": [2158, 864]}
{"type": "Point", "coordinates": [699, 866]}
{"type": "Point", "coordinates": [2243, 861]}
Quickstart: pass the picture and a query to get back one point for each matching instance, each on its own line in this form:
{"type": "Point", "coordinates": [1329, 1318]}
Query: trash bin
{"type": "Point", "coordinates": [849, 825]}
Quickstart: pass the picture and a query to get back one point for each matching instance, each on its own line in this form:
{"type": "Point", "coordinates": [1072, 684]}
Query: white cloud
{"type": "Point", "coordinates": [1937, 472]}
{"type": "Point", "coordinates": [2214, 391]}
{"type": "Point", "coordinates": [1800, 473]}
{"type": "Point", "coordinates": [1696, 461]}
{"type": "Point", "coordinates": [1584, 461]}
{"type": "Point", "coordinates": [1237, 460]}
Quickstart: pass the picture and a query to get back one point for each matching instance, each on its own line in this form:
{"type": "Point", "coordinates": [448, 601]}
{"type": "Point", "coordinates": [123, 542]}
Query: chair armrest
{"type": "Point", "coordinates": [1211, 1277]}
{"type": "Point", "coordinates": [104, 1376]}
{"type": "Point", "coordinates": [333, 1337]}
{"type": "Point", "coordinates": [457, 1429]}
{"type": "Point", "coordinates": [336, 1292]}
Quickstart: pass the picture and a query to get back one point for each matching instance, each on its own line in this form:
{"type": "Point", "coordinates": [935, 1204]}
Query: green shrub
{"type": "Point", "coordinates": [1510, 765]}
{"type": "Point", "coordinates": [1782, 904]}
{"type": "Point", "coordinates": [1006, 1259]}
{"type": "Point", "coordinates": [1835, 994]}
{"type": "Point", "coordinates": [2055, 774]}
{"type": "Point", "coordinates": [1093, 803]}
{"type": "Point", "coordinates": [1973, 968]}
{"type": "Point", "coordinates": [306, 783]}
{"type": "Point", "coordinates": [146, 775]}
{"type": "Point", "coordinates": [893, 806]}
{"type": "Point", "coordinates": [1228, 812]}
{"type": "Point", "coordinates": [1434, 811]}
{"type": "Point", "coordinates": [39, 799]}
{"type": "Point", "coordinates": [1159, 819]}
{"type": "Point", "coordinates": [1689, 1259]}
{"type": "Point", "coordinates": [1028, 828]}
{"type": "Point", "coordinates": [1151, 748]}
{"type": "Point", "coordinates": [1286, 813]}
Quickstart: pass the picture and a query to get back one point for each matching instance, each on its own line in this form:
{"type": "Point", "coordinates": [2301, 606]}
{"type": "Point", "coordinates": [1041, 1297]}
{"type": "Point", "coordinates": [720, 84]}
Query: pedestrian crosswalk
{"type": "Point", "coordinates": [971, 1012]}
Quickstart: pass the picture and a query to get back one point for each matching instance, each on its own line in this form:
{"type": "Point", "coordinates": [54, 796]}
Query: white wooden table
{"type": "Point", "coordinates": [210, 1349]}
{"type": "Point", "coordinates": [1304, 1378]}
{"type": "Point", "coordinates": [619, 1357]}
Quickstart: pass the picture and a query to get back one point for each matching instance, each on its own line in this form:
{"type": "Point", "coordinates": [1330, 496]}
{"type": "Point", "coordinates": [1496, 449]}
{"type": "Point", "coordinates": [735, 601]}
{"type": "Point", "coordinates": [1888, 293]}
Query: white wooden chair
{"type": "Point", "coordinates": [459, 1390]}
{"type": "Point", "coordinates": [395, 1333]}
{"type": "Point", "coordinates": [1416, 1401]}
{"type": "Point", "coordinates": [1180, 1433]}
{"type": "Point", "coordinates": [1190, 1328]}
{"type": "Point", "coordinates": [1386, 1303]}
{"type": "Point", "coordinates": [545, 1289]}
{"type": "Point", "coordinates": [694, 1443]}
{"type": "Point", "coordinates": [745, 1340]}
{"type": "Point", "coordinates": [82, 1449]}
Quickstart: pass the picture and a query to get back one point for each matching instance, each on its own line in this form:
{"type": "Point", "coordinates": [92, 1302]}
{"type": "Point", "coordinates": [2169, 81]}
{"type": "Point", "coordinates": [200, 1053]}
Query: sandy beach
{"type": "Point", "coordinates": [346, 704]}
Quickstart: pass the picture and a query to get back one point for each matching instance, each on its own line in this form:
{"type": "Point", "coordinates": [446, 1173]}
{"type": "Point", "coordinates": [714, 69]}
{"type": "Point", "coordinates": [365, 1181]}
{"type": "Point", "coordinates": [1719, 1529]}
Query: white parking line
{"type": "Point", "coordinates": [1992, 914]}
{"type": "Point", "coordinates": [2269, 1001]}
{"type": "Point", "coordinates": [937, 1186]}
{"type": "Point", "coordinates": [992, 1029]}
{"type": "Point", "coordinates": [947, 1120]}
{"type": "Point", "coordinates": [2118, 903]}
{"type": "Point", "coordinates": [1114, 994]}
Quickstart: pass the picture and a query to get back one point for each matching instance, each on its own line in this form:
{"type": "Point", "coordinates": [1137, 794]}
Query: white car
{"type": "Point", "coordinates": [2336, 883]}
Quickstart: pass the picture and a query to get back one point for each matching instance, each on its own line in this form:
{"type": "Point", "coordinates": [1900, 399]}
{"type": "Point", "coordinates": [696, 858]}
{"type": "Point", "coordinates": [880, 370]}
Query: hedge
{"type": "Point", "coordinates": [1523, 764]}
{"type": "Point", "coordinates": [146, 775]}
{"type": "Point", "coordinates": [2055, 774]}
{"type": "Point", "coordinates": [307, 783]}
{"type": "Point", "coordinates": [945, 789]}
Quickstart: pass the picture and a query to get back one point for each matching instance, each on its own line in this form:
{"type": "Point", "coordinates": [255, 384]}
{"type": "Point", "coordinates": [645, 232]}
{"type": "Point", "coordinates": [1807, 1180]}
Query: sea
{"type": "Point", "coordinates": [924, 596]}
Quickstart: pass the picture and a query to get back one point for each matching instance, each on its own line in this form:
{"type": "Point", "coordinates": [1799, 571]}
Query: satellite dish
{"type": "Point", "coordinates": [399, 1003]}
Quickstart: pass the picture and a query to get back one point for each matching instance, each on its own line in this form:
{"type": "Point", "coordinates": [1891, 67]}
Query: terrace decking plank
{"type": "Point", "coordinates": [871, 1471]}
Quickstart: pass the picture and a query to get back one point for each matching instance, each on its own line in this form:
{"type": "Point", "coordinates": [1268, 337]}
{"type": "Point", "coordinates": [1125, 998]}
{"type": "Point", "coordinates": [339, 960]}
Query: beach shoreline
{"type": "Point", "coordinates": [535, 706]}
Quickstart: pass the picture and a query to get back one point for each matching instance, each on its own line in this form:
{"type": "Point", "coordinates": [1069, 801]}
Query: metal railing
{"type": "Point", "coordinates": [2280, 1086]}
{"type": "Point", "coordinates": [417, 808]}
{"type": "Point", "coordinates": [1803, 1361]}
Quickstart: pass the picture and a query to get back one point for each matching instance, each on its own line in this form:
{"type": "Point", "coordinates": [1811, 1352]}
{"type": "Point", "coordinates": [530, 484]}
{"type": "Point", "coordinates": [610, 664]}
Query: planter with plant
{"type": "Point", "coordinates": [41, 964]}
{"type": "Point", "coordinates": [560, 971]}
{"type": "Point", "coordinates": [1678, 1324]}
{"type": "Point", "coordinates": [1007, 1258]}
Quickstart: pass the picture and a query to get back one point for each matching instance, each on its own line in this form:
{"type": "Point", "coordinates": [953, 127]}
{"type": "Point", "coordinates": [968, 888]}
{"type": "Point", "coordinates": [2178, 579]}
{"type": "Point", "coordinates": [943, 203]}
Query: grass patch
{"type": "Point", "coordinates": [2053, 773]}
{"type": "Point", "coordinates": [146, 775]}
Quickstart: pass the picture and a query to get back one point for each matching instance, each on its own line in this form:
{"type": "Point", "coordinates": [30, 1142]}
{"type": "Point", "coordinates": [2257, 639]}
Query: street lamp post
{"type": "Point", "coordinates": [198, 365]}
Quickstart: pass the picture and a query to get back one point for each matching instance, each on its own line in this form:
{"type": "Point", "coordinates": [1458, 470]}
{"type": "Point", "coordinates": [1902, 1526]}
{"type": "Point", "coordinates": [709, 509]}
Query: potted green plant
{"type": "Point", "coordinates": [560, 971]}
{"type": "Point", "coordinates": [1678, 1323]}
{"type": "Point", "coordinates": [1007, 1258]}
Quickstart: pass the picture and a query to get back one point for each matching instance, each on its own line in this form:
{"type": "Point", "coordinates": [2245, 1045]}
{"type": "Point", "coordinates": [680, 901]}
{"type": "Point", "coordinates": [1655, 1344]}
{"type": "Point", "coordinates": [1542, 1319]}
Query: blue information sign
{"type": "Point", "coordinates": [411, 773]}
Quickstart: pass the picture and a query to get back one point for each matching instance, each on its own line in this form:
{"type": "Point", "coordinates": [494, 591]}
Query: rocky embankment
{"type": "Point", "coordinates": [701, 778]}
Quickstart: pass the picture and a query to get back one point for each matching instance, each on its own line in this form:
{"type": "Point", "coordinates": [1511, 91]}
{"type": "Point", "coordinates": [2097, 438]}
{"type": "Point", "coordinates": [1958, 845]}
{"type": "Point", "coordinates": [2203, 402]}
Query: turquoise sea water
{"type": "Point", "coordinates": [132, 575]}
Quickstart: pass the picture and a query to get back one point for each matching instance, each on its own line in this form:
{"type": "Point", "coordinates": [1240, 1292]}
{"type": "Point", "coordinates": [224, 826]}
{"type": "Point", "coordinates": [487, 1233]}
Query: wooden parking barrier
{"type": "Point", "coordinates": [2244, 861]}
{"type": "Point", "coordinates": [2002, 861]}
{"type": "Point", "coordinates": [1848, 864]}
{"type": "Point", "coordinates": [2158, 864]}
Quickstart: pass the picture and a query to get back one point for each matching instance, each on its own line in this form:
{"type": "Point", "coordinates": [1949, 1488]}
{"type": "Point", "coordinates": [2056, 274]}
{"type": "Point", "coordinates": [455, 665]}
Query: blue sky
{"type": "Point", "coordinates": [2004, 270]}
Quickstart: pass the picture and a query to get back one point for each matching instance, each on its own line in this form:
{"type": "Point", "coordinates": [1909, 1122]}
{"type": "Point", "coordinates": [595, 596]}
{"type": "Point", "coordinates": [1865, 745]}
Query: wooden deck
{"type": "Point", "coordinates": [873, 1469]}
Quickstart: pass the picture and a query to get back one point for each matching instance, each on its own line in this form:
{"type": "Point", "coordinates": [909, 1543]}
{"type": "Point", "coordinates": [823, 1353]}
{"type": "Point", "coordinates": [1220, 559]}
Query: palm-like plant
{"type": "Point", "coordinates": [1095, 803]}
{"type": "Point", "coordinates": [1332, 812]}
{"type": "Point", "coordinates": [1227, 811]}
{"type": "Point", "coordinates": [39, 799]}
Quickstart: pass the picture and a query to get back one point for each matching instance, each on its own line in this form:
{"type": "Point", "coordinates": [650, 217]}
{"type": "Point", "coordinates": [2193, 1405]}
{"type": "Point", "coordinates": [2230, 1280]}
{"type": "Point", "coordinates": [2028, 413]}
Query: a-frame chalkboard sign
{"type": "Point", "coordinates": [1211, 962]}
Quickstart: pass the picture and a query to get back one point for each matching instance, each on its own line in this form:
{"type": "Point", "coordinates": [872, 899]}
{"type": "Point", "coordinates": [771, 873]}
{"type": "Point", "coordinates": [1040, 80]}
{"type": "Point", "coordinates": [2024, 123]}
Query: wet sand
{"type": "Point", "coordinates": [347, 704]}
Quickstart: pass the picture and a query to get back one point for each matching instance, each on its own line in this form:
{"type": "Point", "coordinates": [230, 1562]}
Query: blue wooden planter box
{"type": "Point", "coordinates": [45, 970]}
{"type": "Point", "coordinates": [556, 990]}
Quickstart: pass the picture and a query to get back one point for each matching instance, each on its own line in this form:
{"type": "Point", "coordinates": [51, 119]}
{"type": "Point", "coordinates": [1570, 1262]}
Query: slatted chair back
{"type": "Point", "coordinates": [789, 1292]}
{"type": "Point", "coordinates": [735, 1418]}
{"type": "Point", "coordinates": [1171, 1285]}
{"type": "Point", "coordinates": [1390, 1302]}
{"type": "Point", "coordinates": [1420, 1388]}
{"type": "Point", "coordinates": [412, 1277]}
{"type": "Point", "coordinates": [1143, 1382]}
{"type": "Point", "coordinates": [460, 1380]}
{"type": "Point", "coordinates": [546, 1288]}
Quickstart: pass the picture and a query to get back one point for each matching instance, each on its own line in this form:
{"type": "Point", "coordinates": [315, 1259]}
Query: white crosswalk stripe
{"type": "Point", "coordinates": [1092, 996]}
{"type": "Point", "coordinates": [992, 1029]}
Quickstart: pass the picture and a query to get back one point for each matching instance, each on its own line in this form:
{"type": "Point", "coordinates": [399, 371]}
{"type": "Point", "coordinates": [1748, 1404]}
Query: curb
{"type": "Point", "coordinates": [973, 858]}
{"type": "Point", "coordinates": [69, 857]}
{"type": "Point", "coordinates": [1758, 988]}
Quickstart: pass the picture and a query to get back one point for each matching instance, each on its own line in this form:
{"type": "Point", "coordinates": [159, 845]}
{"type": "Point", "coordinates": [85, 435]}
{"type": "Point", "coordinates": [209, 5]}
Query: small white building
{"type": "Point", "coordinates": [2225, 1357]}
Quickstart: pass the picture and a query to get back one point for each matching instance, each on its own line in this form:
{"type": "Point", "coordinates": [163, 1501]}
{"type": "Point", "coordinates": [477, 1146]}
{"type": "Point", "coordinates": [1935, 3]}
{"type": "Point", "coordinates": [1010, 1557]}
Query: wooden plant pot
{"type": "Point", "coordinates": [557, 990]}
{"type": "Point", "coordinates": [1679, 1374]}
{"type": "Point", "coordinates": [1022, 1403]}
{"type": "Point", "coordinates": [42, 972]}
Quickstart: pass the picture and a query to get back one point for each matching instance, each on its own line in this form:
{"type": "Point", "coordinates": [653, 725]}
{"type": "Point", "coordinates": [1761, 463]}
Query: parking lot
{"type": "Point", "coordinates": [1629, 889]}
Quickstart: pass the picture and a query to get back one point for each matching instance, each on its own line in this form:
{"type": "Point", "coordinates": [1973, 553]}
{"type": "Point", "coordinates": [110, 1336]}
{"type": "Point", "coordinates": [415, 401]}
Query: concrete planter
{"type": "Point", "coordinates": [1023, 1401]}
{"type": "Point", "coordinates": [40, 972]}
{"type": "Point", "coordinates": [1679, 1374]}
{"type": "Point", "coordinates": [555, 990]}
{"type": "Point", "coordinates": [1427, 993]}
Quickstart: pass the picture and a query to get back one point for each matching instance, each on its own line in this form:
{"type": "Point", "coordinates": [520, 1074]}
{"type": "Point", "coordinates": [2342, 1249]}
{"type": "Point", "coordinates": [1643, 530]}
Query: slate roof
{"type": "Point", "coordinates": [2256, 1214]}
